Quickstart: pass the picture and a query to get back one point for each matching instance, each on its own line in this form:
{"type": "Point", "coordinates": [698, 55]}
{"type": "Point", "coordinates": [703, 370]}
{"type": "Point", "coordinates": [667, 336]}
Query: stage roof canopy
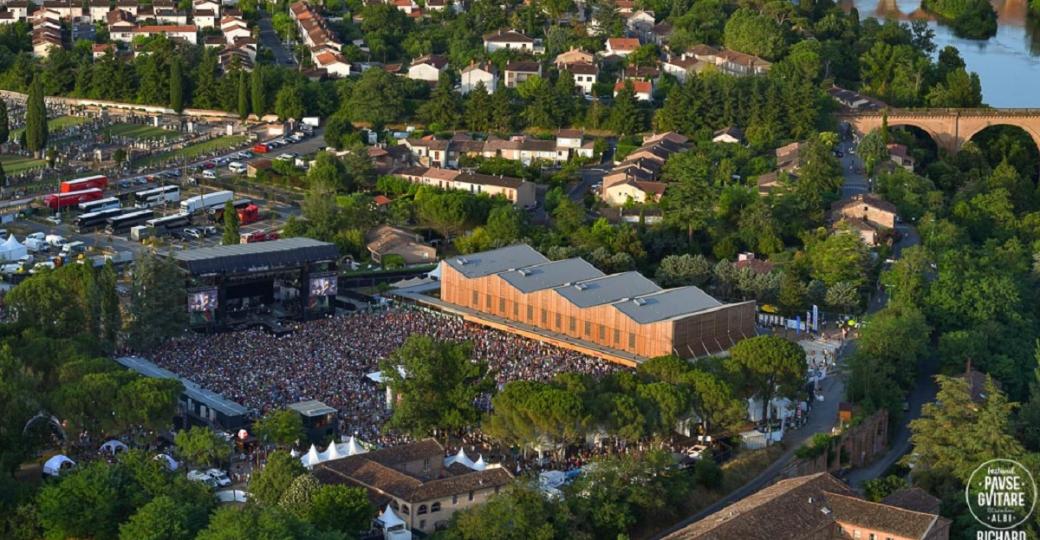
{"type": "Point", "coordinates": [256, 256]}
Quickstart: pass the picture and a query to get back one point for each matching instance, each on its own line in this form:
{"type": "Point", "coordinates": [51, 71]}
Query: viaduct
{"type": "Point", "coordinates": [949, 128]}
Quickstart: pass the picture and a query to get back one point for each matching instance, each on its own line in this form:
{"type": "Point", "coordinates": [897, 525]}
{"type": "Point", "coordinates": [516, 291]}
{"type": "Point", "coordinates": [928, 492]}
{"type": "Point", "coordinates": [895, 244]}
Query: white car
{"type": "Point", "coordinates": [35, 236]}
{"type": "Point", "coordinates": [219, 476]}
{"type": "Point", "coordinates": [54, 219]}
{"type": "Point", "coordinates": [209, 174]}
{"type": "Point", "coordinates": [236, 167]}
{"type": "Point", "coordinates": [55, 240]}
{"type": "Point", "coordinates": [202, 476]}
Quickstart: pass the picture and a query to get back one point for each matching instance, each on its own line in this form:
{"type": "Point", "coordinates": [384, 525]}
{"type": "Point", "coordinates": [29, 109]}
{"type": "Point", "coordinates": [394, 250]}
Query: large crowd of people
{"type": "Point", "coordinates": [329, 359]}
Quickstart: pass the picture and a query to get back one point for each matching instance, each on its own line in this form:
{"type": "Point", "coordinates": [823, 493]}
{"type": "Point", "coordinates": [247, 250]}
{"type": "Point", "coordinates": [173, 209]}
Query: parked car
{"type": "Point", "coordinates": [202, 476]}
{"type": "Point", "coordinates": [209, 165]}
{"type": "Point", "coordinates": [209, 174]}
{"type": "Point", "coordinates": [219, 476]}
{"type": "Point", "coordinates": [192, 232]}
{"type": "Point", "coordinates": [209, 230]}
{"type": "Point", "coordinates": [55, 219]}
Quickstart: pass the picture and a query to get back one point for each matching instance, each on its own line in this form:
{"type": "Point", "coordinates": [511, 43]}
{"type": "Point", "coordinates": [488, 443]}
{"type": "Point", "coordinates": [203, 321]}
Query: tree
{"type": "Point", "coordinates": [340, 508]}
{"type": "Point", "coordinates": [231, 234]}
{"type": "Point", "coordinates": [338, 130]}
{"type": "Point", "coordinates": [436, 385]}
{"type": "Point", "coordinates": [329, 171]}
{"type": "Point", "coordinates": [283, 427]}
{"type": "Point", "coordinates": [1029, 414]}
{"type": "Point", "coordinates": [148, 402]}
{"type": "Point", "coordinates": [843, 296]}
{"type": "Point", "coordinates": [201, 446]}
{"type": "Point", "coordinates": [528, 513]}
{"type": "Point", "coordinates": [377, 98]}
{"type": "Point", "coordinates": [754, 33]}
{"type": "Point", "coordinates": [505, 225]}
{"type": "Point", "coordinates": [532, 414]}
{"type": "Point", "coordinates": [873, 150]}
{"type": "Point", "coordinates": [288, 102]}
{"type": "Point", "coordinates": [768, 366]}
{"type": "Point", "coordinates": [685, 269]}
{"type": "Point", "coordinates": [36, 119]}
{"type": "Point", "coordinates": [111, 321]}
{"type": "Point", "coordinates": [957, 431]}
{"type": "Point", "coordinates": [5, 124]}
{"type": "Point", "coordinates": [243, 96]}
{"type": "Point", "coordinates": [479, 109]}
{"type": "Point", "coordinates": [158, 290]}
{"type": "Point", "coordinates": [258, 91]}
{"type": "Point", "coordinates": [839, 257]}
{"type": "Point", "coordinates": [84, 504]}
{"type": "Point", "coordinates": [162, 518]}
{"type": "Point", "coordinates": [443, 108]}
{"type": "Point", "coordinates": [176, 86]}
{"type": "Point", "coordinates": [267, 486]}
{"type": "Point", "coordinates": [625, 116]}
{"type": "Point", "coordinates": [879, 488]}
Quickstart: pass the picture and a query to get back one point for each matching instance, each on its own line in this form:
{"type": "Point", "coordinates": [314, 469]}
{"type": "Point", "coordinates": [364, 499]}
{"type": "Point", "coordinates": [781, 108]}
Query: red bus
{"type": "Point", "coordinates": [57, 201]}
{"type": "Point", "coordinates": [260, 148]}
{"type": "Point", "coordinates": [98, 181]}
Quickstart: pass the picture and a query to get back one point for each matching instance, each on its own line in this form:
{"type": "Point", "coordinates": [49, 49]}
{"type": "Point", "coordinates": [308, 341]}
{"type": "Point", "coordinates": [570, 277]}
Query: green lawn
{"type": "Point", "coordinates": [16, 164]}
{"type": "Point", "coordinates": [55, 125]}
{"type": "Point", "coordinates": [140, 131]}
{"type": "Point", "coordinates": [195, 150]}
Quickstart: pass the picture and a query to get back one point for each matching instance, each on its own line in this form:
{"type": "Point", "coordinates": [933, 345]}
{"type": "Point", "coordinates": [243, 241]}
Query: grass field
{"type": "Point", "coordinates": [16, 164]}
{"type": "Point", "coordinates": [55, 124]}
{"type": "Point", "coordinates": [195, 150]}
{"type": "Point", "coordinates": [139, 131]}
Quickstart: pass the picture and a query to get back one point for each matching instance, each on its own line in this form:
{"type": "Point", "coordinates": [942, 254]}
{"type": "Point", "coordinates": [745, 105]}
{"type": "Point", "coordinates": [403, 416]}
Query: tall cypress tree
{"type": "Point", "coordinates": [5, 126]}
{"type": "Point", "coordinates": [243, 96]}
{"type": "Point", "coordinates": [259, 93]}
{"type": "Point", "coordinates": [176, 86]}
{"type": "Point", "coordinates": [111, 318]}
{"type": "Point", "coordinates": [231, 234]}
{"type": "Point", "coordinates": [36, 119]}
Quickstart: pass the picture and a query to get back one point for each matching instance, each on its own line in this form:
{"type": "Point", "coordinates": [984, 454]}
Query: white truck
{"type": "Point", "coordinates": [55, 240]}
{"type": "Point", "coordinates": [200, 203]}
{"type": "Point", "coordinates": [36, 245]}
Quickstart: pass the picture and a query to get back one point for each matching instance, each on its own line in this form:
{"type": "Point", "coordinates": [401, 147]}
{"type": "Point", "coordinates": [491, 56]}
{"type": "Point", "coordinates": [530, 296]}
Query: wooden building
{"type": "Point", "coordinates": [624, 312]}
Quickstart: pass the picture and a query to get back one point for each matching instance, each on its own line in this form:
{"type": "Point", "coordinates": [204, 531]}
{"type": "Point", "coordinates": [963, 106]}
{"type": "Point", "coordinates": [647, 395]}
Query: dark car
{"type": "Point", "coordinates": [209, 165]}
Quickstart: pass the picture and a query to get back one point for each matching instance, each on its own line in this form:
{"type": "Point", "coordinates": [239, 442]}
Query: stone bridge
{"type": "Point", "coordinates": [949, 128]}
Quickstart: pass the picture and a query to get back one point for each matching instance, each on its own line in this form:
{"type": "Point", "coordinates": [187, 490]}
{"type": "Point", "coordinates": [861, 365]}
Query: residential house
{"type": "Point", "coordinates": [854, 101]}
{"type": "Point", "coordinates": [728, 135]}
{"type": "Point", "coordinates": [519, 71]}
{"type": "Point", "coordinates": [208, 5]}
{"type": "Point", "coordinates": [44, 41]}
{"type": "Point", "coordinates": [621, 46]}
{"type": "Point", "coordinates": [661, 33]}
{"type": "Point", "coordinates": [584, 75]}
{"type": "Point", "coordinates": [234, 28]}
{"type": "Point", "coordinates": [120, 25]}
{"type": "Point", "coordinates": [633, 191]}
{"type": "Point", "coordinates": [408, 7]}
{"type": "Point", "coordinates": [899, 155]}
{"type": "Point", "coordinates": [427, 68]}
{"type": "Point", "coordinates": [130, 6]}
{"type": "Point", "coordinates": [387, 240]}
{"type": "Point", "coordinates": [429, 151]}
{"type": "Point", "coordinates": [64, 10]}
{"type": "Point", "coordinates": [171, 17]}
{"type": "Point", "coordinates": [748, 260]}
{"type": "Point", "coordinates": [520, 192]}
{"type": "Point", "coordinates": [99, 50]}
{"type": "Point", "coordinates": [205, 18]}
{"type": "Point", "coordinates": [788, 157]}
{"type": "Point", "coordinates": [424, 489]}
{"type": "Point", "coordinates": [573, 56]}
{"type": "Point", "coordinates": [867, 232]}
{"type": "Point", "coordinates": [574, 143]}
{"type": "Point", "coordinates": [230, 57]}
{"type": "Point", "coordinates": [187, 32]}
{"type": "Point", "coordinates": [643, 90]}
{"type": "Point", "coordinates": [641, 25]}
{"type": "Point", "coordinates": [7, 17]}
{"type": "Point", "coordinates": [868, 207]}
{"type": "Point", "coordinates": [334, 64]}
{"type": "Point", "coordinates": [681, 67]}
{"type": "Point", "coordinates": [19, 9]}
{"type": "Point", "coordinates": [816, 506]}
{"type": "Point", "coordinates": [474, 74]}
{"type": "Point", "coordinates": [98, 9]}
{"type": "Point", "coordinates": [738, 63]}
{"type": "Point", "coordinates": [508, 39]}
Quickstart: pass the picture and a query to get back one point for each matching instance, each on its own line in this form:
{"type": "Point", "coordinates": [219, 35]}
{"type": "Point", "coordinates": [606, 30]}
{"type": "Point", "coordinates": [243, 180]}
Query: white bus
{"type": "Point", "coordinates": [158, 196]}
{"type": "Point", "coordinates": [201, 203]}
{"type": "Point", "coordinates": [99, 205]}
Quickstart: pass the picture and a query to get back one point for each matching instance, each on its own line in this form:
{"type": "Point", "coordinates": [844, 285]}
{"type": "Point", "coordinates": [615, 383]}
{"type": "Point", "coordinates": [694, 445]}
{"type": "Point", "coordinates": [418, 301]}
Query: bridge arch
{"type": "Point", "coordinates": [949, 128]}
{"type": "Point", "coordinates": [1033, 133]}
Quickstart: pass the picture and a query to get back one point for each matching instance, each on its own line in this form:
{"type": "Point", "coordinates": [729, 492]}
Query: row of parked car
{"type": "Point", "coordinates": [213, 478]}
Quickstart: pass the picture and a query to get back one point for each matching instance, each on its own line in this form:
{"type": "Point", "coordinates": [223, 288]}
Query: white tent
{"type": "Point", "coordinates": [331, 453]}
{"type": "Point", "coordinates": [12, 249]}
{"type": "Point", "coordinates": [56, 464]}
{"type": "Point", "coordinates": [480, 465]}
{"type": "Point", "coordinates": [171, 463]}
{"type": "Point", "coordinates": [461, 458]}
{"type": "Point", "coordinates": [551, 479]}
{"type": "Point", "coordinates": [113, 446]}
{"type": "Point", "coordinates": [389, 519]}
{"type": "Point", "coordinates": [352, 448]}
{"type": "Point", "coordinates": [294, 453]}
{"type": "Point", "coordinates": [312, 457]}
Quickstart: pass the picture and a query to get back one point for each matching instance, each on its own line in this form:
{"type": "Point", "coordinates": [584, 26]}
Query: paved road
{"type": "Point", "coordinates": [269, 40]}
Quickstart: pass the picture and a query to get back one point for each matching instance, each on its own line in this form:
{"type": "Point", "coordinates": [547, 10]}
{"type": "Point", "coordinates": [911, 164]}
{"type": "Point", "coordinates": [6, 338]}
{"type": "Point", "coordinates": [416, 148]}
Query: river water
{"type": "Point", "coordinates": [1008, 64]}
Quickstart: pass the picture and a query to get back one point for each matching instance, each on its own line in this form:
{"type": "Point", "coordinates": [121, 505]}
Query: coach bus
{"type": "Point", "coordinates": [58, 201]}
{"type": "Point", "coordinates": [99, 181]}
{"type": "Point", "coordinates": [93, 220]}
{"type": "Point", "coordinates": [100, 204]}
{"type": "Point", "coordinates": [173, 221]}
{"type": "Point", "coordinates": [216, 213]}
{"type": "Point", "coordinates": [121, 224]}
{"type": "Point", "coordinates": [158, 196]}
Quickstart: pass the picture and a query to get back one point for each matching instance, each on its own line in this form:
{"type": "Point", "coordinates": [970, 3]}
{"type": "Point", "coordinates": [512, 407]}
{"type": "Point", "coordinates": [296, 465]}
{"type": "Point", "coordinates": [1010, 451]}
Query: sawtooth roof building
{"type": "Point", "coordinates": [623, 317]}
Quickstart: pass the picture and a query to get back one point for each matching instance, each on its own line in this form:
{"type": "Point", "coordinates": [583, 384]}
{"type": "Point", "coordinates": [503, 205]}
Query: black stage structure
{"type": "Point", "coordinates": [260, 283]}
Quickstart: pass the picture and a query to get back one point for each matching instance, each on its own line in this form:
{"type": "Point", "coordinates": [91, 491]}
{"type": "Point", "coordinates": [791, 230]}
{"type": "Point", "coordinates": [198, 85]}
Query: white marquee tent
{"type": "Point", "coordinates": [12, 250]}
{"type": "Point", "coordinates": [113, 446]}
{"type": "Point", "coordinates": [170, 463]}
{"type": "Point", "coordinates": [56, 464]}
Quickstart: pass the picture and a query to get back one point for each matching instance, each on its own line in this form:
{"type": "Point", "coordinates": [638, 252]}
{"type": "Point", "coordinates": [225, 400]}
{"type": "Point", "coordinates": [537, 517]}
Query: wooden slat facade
{"type": "Point", "coordinates": [698, 334]}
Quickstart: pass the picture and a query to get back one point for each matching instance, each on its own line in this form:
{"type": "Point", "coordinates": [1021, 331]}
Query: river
{"type": "Point", "coordinates": [1008, 64]}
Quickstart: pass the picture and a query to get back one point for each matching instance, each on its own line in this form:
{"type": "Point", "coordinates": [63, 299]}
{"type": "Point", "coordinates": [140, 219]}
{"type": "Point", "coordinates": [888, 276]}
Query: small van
{"type": "Point", "coordinates": [236, 167]}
